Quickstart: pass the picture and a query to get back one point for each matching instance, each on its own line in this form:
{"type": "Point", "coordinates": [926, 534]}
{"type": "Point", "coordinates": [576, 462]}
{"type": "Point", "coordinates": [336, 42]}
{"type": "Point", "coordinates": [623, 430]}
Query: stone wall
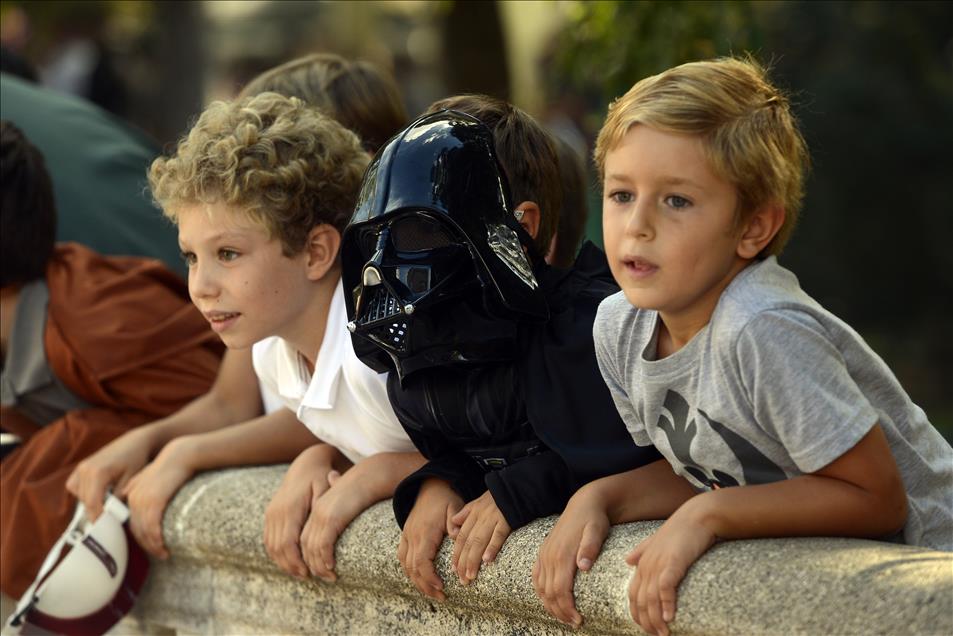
{"type": "Point", "coordinates": [221, 581]}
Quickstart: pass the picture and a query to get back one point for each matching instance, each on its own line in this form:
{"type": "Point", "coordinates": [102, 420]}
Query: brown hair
{"type": "Point", "coordinates": [749, 134]}
{"type": "Point", "coordinates": [574, 211]}
{"type": "Point", "coordinates": [359, 95]}
{"type": "Point", "coordinates": [526, 152]}
{"type": "Point", "coordinates": [285, 164]}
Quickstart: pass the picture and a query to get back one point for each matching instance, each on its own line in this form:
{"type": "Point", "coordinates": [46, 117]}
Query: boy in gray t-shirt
{"type": "Point", "coordinates": [714, 354]}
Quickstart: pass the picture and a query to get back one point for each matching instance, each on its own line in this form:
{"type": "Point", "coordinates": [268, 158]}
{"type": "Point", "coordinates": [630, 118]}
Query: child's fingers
{"type": "Point", "coordinates": [633, 593]}
{"type": "Point", "coordinates": [326, 539]}
{"type": "Point", "coordinates": [653, 608]}
{"type": "Point", "coordinates": [668, 593]}
{"type": "Point", "coordinates": [425, 577]}
{"type": "Point", "coordinates": [281, 543]}
{"type": "Point", "coordinates": [500, 533]}
{"type": "Point", "coordinates": [593, 536]}
{"type": "Point", "coordinates": [562, 593]}
{"type": "Point", "coordinates": [456, 519]}
{"type": "Point", "coordinates": [635, 554]}
{"type": "Point", "coordinates": [459, 547]}
{"type": "Point", "coordinates": [333, 476]}
{"type": "Point", "coordinates": [418, 564]}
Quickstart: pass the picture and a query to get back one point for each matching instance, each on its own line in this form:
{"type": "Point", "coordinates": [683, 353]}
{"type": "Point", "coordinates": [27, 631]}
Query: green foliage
{"type": "Point", "coordinates": [611, 45]}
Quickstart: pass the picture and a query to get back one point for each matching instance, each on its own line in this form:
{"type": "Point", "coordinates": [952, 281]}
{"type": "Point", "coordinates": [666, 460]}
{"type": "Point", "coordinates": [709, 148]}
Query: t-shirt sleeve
{"type": "Point", "coordinates": [607, 353]}
{"type": "Point", "coordinates": [800, 388]}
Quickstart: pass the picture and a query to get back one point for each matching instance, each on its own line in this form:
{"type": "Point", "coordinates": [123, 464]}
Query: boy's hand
{"type": "Point", "coordinates": [149, 491]}
{"type": "Point", "coordinates": [574, 542]}
{"type": "Point", "coordinates": [305, 481]}
{"type": "Point", "coordinates": [112, 465]}
{"type": "Point", "coordinates": [479, 531]}
{"type": "Point", "coordinates": [661, 563]}
{"type": "Point", "coordinates": [428, 522]}
{"type": "Point", "coordinates": [330, 515]}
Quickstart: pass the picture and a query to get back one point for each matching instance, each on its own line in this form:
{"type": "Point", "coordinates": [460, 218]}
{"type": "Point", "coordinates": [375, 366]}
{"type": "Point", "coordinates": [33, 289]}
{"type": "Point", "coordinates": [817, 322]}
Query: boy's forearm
{"type": "Point", "coordinates": [379, 474]}
{"type": "Point", "coordinates": [809, 505]}
{"type": "Point", "coordinates": [232, 399]}
{"type": "Point", "coordinates": [270, 439]}
{"type": "Point", "coordinates": [859, 494]}
{"type": "Point", "coordinates": [653, 491]}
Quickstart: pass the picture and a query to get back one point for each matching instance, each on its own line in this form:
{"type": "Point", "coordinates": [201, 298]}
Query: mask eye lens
{"type": "Point", "coordinates": [418, 279]}
{"type": "Point", "coordinates": [418, 234]}
{"type": "Point", "coordinates": [368, 243]}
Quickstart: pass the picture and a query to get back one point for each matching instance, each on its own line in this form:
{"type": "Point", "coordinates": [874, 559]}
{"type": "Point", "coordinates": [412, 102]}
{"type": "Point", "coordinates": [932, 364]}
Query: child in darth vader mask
{"type": "Point", "coordinates": [489, 350]}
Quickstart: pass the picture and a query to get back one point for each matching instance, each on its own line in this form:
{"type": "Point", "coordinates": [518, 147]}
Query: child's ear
{"type": "Point", "coordinates": [759, 229]}
{"type": "Point", "coordinates": [322, 250]}
{"type": "Point", "coordinates": [529, 218]}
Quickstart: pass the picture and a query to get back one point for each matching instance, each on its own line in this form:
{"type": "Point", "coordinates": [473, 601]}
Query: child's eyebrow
{"type": "Point", "coordinates": [667, 181]}
{"type": "Point", "coordinates": [681, 181]}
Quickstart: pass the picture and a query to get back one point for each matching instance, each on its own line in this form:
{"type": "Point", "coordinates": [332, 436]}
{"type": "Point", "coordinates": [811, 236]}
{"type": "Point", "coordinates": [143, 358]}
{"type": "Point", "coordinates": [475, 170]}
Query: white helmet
{"type": "Point", "coordinates": [93, 586]}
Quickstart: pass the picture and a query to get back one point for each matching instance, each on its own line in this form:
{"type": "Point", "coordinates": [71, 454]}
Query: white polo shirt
{"type": "Point", "coordinates": [344, 403]}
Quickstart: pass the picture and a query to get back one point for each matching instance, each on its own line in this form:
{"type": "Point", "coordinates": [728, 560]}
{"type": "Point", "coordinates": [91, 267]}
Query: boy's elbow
{"type": "Point", "coordinates": [892, 507]}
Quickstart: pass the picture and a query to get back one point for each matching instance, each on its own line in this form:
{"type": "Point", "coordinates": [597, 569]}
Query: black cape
{"type": "Point", "coordinates": [531, 430]}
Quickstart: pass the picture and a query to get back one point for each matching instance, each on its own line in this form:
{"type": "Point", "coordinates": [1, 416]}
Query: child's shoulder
{"type": "Point", "coordinates": [619, 324]}
{"type": "Point", "coordinates": [761, 293]}
{"type": "Point", "coordinates": [765, 307]}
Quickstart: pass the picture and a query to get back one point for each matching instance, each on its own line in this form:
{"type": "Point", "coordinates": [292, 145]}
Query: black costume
{"type": "Point", "coordinates": [494, 372]}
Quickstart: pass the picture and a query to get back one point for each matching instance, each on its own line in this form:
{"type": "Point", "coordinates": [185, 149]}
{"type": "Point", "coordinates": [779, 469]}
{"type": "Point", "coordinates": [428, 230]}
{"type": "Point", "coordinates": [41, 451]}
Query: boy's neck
{"type": "Point", "coordinates": [677, 330]}
{"type": "Point", "coordinates": [307, 333]}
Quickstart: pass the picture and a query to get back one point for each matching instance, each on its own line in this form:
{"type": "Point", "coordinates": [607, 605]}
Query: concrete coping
{"type": "Point", "coordinates": [220, 580]}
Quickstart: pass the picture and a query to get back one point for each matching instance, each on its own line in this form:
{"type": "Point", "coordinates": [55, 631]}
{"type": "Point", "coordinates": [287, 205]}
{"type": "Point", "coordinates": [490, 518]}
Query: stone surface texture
{"type": "Point", "coordinates": [220, 581]}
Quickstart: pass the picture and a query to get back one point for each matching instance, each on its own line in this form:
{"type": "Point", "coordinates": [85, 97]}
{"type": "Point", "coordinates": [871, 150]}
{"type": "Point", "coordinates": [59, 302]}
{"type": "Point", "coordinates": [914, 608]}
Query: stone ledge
{"type": "Point", "coordinates": [221, 581]}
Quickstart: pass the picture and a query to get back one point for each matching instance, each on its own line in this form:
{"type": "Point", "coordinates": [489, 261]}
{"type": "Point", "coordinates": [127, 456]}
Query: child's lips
{"type": "Point", "coordinates": [221, 320]}
{"type": "Point", "coordinates": [638, 267]}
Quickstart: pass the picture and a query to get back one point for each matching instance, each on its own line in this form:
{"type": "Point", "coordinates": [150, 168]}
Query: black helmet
{"type": "Point", "coordinates": [434, 224]}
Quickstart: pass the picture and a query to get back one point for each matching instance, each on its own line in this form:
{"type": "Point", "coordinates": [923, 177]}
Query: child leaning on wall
{"type": "Point", "coordinates": [365, 100]}
{"type": "Point", "coordinates": [489, 351]}
{"type": "Point", "coordinates": [260, 190]}
{"type": "Point", "coordinates": [93, 346]}
{"type": "Point", "coordinates": [775, 416]}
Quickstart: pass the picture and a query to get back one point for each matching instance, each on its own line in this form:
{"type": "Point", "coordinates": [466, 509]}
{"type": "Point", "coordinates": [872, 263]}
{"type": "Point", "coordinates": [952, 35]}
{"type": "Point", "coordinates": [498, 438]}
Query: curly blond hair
{"type": "Point", "coordinates": [282, 162]}
{"type": "Point", "coordinates": [749, 134]}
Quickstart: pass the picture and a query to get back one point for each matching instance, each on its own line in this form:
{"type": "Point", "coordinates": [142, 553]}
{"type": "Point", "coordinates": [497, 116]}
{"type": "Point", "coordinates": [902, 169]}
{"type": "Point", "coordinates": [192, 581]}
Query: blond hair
{"type": "Point", "coordinates": [283, 163]}
{"type": "Point", "coordinates": [749, 135]}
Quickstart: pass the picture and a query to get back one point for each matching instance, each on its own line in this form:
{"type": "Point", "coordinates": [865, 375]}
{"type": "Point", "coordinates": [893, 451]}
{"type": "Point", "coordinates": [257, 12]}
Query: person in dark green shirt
{"type": "Point", "coordinates": [98, 164]}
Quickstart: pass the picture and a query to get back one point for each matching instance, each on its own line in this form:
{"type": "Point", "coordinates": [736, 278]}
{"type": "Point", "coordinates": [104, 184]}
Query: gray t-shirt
{"type": "Point", "coordinates": [773, 387]}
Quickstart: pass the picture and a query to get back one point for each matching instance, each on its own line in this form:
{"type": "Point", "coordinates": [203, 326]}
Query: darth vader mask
{"type": "Point", "coordinates": [434, 269]}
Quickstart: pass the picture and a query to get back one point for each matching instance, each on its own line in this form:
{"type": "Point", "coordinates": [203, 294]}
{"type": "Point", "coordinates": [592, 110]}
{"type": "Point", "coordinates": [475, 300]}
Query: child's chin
{"type": "Point", "coordinates": [637, 298]}
{"type": "Point", "coordinates": [234, 342]}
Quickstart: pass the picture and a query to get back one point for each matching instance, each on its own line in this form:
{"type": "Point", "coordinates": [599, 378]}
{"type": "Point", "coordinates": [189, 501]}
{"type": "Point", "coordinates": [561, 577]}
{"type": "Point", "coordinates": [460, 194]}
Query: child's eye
{"type": "Point", "coordinates": [189, 258]}
{"type": "Point", "coordinates": [621, 197]}
{"type": "Point", "coordinates": [227, 255]}
{"type": "Point", "coordinates": [677, 202]}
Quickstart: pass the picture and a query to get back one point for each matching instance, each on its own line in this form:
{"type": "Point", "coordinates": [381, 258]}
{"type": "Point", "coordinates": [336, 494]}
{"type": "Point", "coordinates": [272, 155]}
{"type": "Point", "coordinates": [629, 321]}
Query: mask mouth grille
{"type": "Point", "coordinates": [380, 306]}
{"type": "Point", "coordinates": [394, 335]}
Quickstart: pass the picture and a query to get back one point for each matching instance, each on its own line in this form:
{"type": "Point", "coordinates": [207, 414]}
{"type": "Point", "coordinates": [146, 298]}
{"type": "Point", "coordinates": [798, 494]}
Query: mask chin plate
{"type": "Point", "coordinates": [379, 306]}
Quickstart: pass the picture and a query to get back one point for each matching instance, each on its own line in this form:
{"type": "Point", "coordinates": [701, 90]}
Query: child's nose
{"type": "Point", "coordinates": [641, 222]}
{"type": "Point", "coordinates": [202, 283]}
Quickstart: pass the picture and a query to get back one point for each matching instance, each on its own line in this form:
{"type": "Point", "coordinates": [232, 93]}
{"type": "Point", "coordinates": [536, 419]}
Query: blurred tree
{"type": "Point", "coordinates": [873, 89]}
{"type": "Point", "coordinates": [475, 50]}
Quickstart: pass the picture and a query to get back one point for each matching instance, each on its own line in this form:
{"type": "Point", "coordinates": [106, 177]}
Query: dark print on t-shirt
{"type": "Point", "coordinates": [680, 431]}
